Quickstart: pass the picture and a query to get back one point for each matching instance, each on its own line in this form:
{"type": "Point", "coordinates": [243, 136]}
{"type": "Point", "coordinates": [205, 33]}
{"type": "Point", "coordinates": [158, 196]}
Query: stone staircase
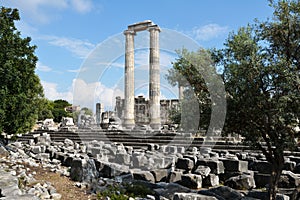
{"type": "Point", "coordinates": [142, 139]}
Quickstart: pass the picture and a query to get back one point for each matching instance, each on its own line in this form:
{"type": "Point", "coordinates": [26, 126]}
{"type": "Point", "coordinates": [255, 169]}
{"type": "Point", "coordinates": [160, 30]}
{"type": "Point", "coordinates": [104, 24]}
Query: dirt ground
{"type": "Point", "coordinates": [62, 184]}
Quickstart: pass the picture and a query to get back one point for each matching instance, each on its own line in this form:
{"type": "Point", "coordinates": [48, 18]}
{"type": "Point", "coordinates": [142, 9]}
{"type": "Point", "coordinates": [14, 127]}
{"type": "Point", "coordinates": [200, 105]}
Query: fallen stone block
{"type": "Point", "coordinates": [261, 180]}
{"type": "Point", "coordinates": [110, 170]}
{"type": "Point", "coordinates": [192, 181]}
{"type": "Point", "coordinates": [3, 152]}
{"type": "Point", "coordinates": [289, 165]}
{"type": "Point", "coordinates": [289, 180]}
{"type": "Point", "coordinates": [123, 159]}
{"type": "Point", "coordinates": [264, 195]}
{"type": "Point", "coordinates": [202, 170]}
{"type": "Point", "coordinates": [174, 176]}
{"type": "Point", "coordinates": [160, 175]}
{"type": "Point", "coordinates": [184, 163]}
{"type": "Point", "coordinates": [297, 169]}
{"type": "Point", "coordinates": [36, 149]}
{"type": "Point", "coordinates": [222, 192]}
{"type": "Point", "coordinates": [192, 196]}
{"type": "Point", "coordinates": [83, 170]}
{"type": "Point", "coordinates": [241, 182]}
{"type": "Point", "coordinates": [9, 184]}
{"type": "Point", "coordinates": [167, 190]}
{"type": "Point", "coordinates": [295, 159]}
{"type": "Point", "coordinates": [143, 175]}
{"type": "Point", "coordinates": [231, 165]}
{"type": "Point", "coordinates": [215, 166]}
{"type": "Point", "coordinates": [211, 180]}
{"type": "Point", "coordinates": [76, 172]}
{"type": "Point", "coordinates": [262, 167]}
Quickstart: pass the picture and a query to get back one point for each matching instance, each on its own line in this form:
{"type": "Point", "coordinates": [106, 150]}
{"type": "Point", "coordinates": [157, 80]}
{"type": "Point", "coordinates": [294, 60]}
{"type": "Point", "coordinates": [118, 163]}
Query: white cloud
{"type": "Point", "coordinates": [78, 47]}
{"type": "Point", "coordinates": [43, 68]}
{"type": "Point", "coordinates": [83, 94]}
{"type": "Point", "coordinates": [88, 94]}
{"type": "Point", "coordinates": [82, 6]}
{"type": "Point", "coordinates": [209, 31]}
{"type": "Point", "coordinates": [44, 11]}
{"type": "Point", "coordinates": [52, 93]}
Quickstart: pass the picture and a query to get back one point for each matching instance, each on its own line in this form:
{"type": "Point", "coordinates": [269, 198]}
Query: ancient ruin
{"type": "Point", "coordinates": [154, 71]}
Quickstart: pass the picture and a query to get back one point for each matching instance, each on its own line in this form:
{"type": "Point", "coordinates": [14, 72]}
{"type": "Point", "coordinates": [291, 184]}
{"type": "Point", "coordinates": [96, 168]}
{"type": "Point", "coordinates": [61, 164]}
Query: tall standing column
{"type": "Point", "coordinates": [129, 80]}
{"type": "Point", "coordinates": [154, 84]}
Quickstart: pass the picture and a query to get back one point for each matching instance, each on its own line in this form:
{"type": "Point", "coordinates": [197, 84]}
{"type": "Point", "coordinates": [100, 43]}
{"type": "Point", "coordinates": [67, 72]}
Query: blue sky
{"type": "Point", "coordinates": [68, 33]}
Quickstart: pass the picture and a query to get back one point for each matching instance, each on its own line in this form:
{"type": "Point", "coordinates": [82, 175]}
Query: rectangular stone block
{"type": "Point", "coordinates": [231, 165]}
{"type": "Point", "coordinates": [216, 166]}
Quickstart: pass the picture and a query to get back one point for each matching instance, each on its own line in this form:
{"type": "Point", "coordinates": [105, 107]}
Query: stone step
{"type": "Point", "coordinates": [139, 139]}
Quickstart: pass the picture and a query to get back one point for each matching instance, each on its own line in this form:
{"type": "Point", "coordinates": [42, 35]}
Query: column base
{"type": "Point", "coordinates": [128, 123]}
{"type": "Point", "coordinates": [155, 126]}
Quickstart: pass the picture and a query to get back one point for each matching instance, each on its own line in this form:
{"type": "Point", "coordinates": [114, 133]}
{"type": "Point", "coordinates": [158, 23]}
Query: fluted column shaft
{"type": "Point", "coordinates": [129, 121]}
{"type": "Point", "coordinates": [154, 82]}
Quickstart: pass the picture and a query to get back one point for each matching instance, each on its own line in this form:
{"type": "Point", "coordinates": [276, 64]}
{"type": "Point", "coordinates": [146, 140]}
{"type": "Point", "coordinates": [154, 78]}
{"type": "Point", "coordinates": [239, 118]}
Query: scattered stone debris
{"type": "Point", "coordinates": [168, 172]}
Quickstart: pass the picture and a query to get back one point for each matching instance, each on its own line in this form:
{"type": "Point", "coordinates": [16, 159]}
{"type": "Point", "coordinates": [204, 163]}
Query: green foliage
{"type": "Point", "coordinates": [196, 73]}
{"type": "Point", "coordinates": [20, 88]}
{"type": "Point", "coordinates": [261, 75]}
{"type": "Point", "coordinates": [45, 109]}
{"type": "Point", "coordinates": [175, 115]}
{"type": "Point", "coordinates": [59, 111]}
{"type": "Point", "coordinates": [124, 191]}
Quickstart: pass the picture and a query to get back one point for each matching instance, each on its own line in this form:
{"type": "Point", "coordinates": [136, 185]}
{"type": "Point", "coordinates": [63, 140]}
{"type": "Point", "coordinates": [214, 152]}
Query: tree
{"type": "Point", "coordinates": [45, 109]}
{"type": "Point", "coordinates": [203, 95]}
{"type": "Point", "coordinates": [261, 75]}
{"type": "Point", "coordinates": [20, 88]}
{"type": "Point", "coordinates": [59, 110]}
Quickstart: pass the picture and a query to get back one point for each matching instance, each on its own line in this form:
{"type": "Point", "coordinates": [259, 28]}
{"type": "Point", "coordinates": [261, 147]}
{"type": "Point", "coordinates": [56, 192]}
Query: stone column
{"type": "Point", "coordinates": [98, 114]}
{"type": "Point", "coordinates": [154, 82]}
{"type": "Point", "coordinates": [180, 91]}
{"type": "Point", "coordinates": [129, 80]}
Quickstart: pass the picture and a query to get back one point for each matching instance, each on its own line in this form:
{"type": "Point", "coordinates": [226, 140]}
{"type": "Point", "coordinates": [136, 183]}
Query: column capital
{"type": "Point", "coordinates": [154, 27]}
{"type": "Point", "coordinates": [129, 32]}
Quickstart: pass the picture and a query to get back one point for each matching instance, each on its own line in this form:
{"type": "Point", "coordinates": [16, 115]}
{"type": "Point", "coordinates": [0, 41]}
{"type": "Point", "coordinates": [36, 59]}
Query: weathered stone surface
{"type": "Point", "coordinates": [202, 170]}
{"type": "Point", "coordinates": [68, 142]}
{"type": "Point", "coordinates": [123, 158]}
{"type": "Point", "coordinates": [222, 192]}
{"type": "Point", "coordinates": [211, 180]}
{"type": "Point", "coordinates": [215, 166]}
{"type": "Point", "coordinates": [3, 152]}
{"type": "Point", "coordinates": [36, 149]}
{"type": "Point", "coordinates": [167, 190]}
{"type": "Point", "coordinates": [289, 165]}
{"type": "Point", "coordinates": [76, 173]}
{"type": "Point", "coordinates": [9, 184]}
{"type": "Point", "coordinates": [160, 175]}
{"type": "Point", "coordinates": [143, 175]}
{"type": "Point", "coordinates": [192, 196]}
{"type": "Point", "coordinates": [231, 165]}
{"type": "Point", "coordinates": [184, 163]}
{"type": "Point", "coordinates": [241, 182]}
{"type": "Point", "coordinates": [192, 181]}
{"type": "Point", "coordinates": [297, 169]}
{"type": "Point", "coordinates": [264, 195]}
{"type": "Point", "coordinates": [110, 170]}
{"type": "Point", "coordinates": [261, 180]}
{"type": "Point", "coordinates": [289, 180]}
{"type": "Point", "coordinates": [139, 160]}
{"type": "Point", "coordinates": [262, 167]}
{"type": "Point", "coordinates": [174, 176]}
